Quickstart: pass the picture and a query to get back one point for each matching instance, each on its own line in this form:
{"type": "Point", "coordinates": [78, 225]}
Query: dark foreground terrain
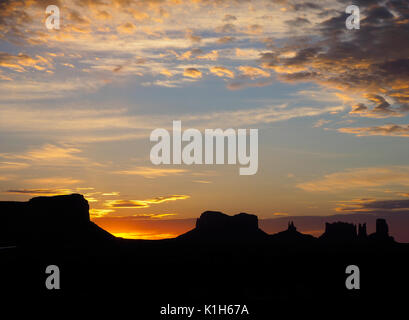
{"type": "Point", "coordinates": [225, 260]}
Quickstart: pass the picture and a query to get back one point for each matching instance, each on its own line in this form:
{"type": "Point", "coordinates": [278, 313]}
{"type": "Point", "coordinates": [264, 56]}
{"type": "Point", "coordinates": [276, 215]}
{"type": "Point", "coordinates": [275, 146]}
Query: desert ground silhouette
{"type": "Point", "coordinates": [224, 259]}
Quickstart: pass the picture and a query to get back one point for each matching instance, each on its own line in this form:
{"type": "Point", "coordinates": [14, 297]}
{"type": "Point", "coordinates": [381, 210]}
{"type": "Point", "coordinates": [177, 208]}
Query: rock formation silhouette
{"type": "Point", "coordinates": [214, 225]}
{"type": "Point", "coordinates": [49, 219]}
{"type": "Point", "coordinates": [223, 257]}
{"type": "Point", "coordinates": [339, 232]}
{"type": "Point", "coordinates": [65, 219]}
{"type": "Point", "coordinates": [291, 235]}
{"type": "Point", "coordinates": [362, 235]}
{"type": "Point", "coordinates": [382, 232]}
{"type": "Point", "coordinates": [342, 232]}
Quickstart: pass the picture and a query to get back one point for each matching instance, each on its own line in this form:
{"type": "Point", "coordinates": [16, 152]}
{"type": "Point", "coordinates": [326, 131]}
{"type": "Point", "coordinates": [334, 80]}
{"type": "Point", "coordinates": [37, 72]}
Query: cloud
{"type": "Point", "coordinates": [353, 62]}
{"type": "Point", "coordinates": [53, 181]}
{"type": "Point", "coordinates": [359, 178]}
{"type": "Point", "coordinates": [394, 130]}
{"type": "Point", "coordinates": [22, 61]}
{"type": "Point", "coordinates": [94, 30]}
{"type": "Point", "coordinates": [136, 204]}
{"type": "Point", "coordinates": [298, 22]}
{"type": "Point", "coordinates": [93, 126]}
{"type": "Point", "coordinates": [222, 72]}
{"type": "Point", "coordinates": [48, 154]}
{"type": "Point", "coordinates": [99, 213]}
{"type": "Point", "coordinates": [192, 37]}
{"type": "Point", "coordinates": [226, 39]}
{"type": "Point", "coordinates": [169, 198]}
{"type": "Point", "coordinates": [229, 17]}
{"type": "Point", "coordinates": [104, 15]}
{"type": "Point", "coordinates": [126, 204]}
{"type": "Point", "coordinates": [106, 31]}
{"type": "Point", "coordinates": [321, 122]}
{"type": "Point", "coordinates": [253, 72]}
{"type": "Point", "coordinates": [126, 28]}
{"type": "Point", "coordinates": [246, 54]}
{"type": "Point", "coordinates": [13, 165]}
{"type": "Point", "coordinates": [249, 117]}
{"type": "Point", "coordinates": [39, 192]}
{"type": "Point", "coordinates": [226, 28]}
{"type": "Point", "coordinates": [34, 89]}
{"type": "Point", "coordinates": [114, 193]}
{"type": "Point", "coordinates": [76, 18]}
{"type": "Point", "coordinates": [192, 73]}
{"type": "Point", "coordinates": [166, 73]}
{"type": "Point", "coordinates": [243, 85]}
{"type": "Point", "coordinates": [153, 215]}
{"type": "Point", "coordinates": [381, 110]}
{"type": "Point", "coordinates": [150, 172]}
{"type": "Point", "coordinates": [213, 56]}
{"type": "Point", "coordinates": [404, 194]}
{"type": "Point", "coordinates": [373, 206]}
{"type": "Point", "coordinates": [254, 29]}
{"type": "Point", "coordinates": [278, 214]}
{"type": "Point", "coordinates": [80, 120]}
{"type": "Point", "coordinates": [304, 6]}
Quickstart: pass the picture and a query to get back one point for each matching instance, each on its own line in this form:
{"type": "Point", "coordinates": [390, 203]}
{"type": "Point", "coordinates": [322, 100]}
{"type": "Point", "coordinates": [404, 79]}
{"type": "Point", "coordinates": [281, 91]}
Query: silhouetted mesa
{"type": "Point", "coordinates": [382, 232]}
{"type": "Point", "coordinates": [65, 220]}
{"type": "Point", "coordinates": [339, 232]}
{"type": "Point", "coordinates": [346, 232]}
{"type": "Point", "coordinates": [53, 219]}
{"type": "Point", "coordinates": [214, 225]}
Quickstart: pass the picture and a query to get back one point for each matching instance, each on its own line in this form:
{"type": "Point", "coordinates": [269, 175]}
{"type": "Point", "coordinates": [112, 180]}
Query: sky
{"type": "Point", "coordinates": [78, 104]}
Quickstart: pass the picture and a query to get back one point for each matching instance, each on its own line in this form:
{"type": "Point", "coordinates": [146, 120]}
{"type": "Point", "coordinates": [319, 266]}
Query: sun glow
{"type": "Point", "coordinates": [144, 235]}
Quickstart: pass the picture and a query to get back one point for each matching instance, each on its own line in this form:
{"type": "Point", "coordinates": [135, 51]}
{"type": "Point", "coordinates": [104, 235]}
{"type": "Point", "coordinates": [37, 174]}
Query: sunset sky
{"type": "Point", "coordinates": [78, 104]}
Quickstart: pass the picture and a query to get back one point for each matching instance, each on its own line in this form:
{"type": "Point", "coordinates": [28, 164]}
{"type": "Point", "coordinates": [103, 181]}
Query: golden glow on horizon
{"type": "Point", "coordinates": [144, 235]}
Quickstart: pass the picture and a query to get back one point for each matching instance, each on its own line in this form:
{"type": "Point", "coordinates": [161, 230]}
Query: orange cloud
{"type": "Point", "coordinates": [114, 193]}
{"type": "Point", "coordinates": [39, 192]}
{"type": "Point", "coordinates": [154, 215]}
{"type": "Point", "coordinates": [132, 204]}
{"type": "Point", "coordinates": [54, 181]}
{"type": "Point", "coordinates": [98, 213]}
{"type": "Point", "coordinates": [213, 56]}
{"type": "Point", "coordinates": [103, 15]}
{"type": "Point", "coordinates": [280, 214]}
{"type": "Point", "coordinates": [394, 130]}
{"type": "Point", "coordinates": [126, 204]}
{"type": "Point", "coordinates": [20, 61]}
{"type": "Point", "coordinates": [139, 15]}
{"type": "Point", "coordinates": [126, 28]}
{"type": "Point", "coordinates": [47, 153]}
{"type": "Point", "coordinates": [222, 72]}
{"type": "Point", "coordinates": [13, 165]}
{"type": "Point", "coordinates": [253, 72]}
{"type": "Point", "coordinates": [166, 73]}
{"type": "Point", "coordinates": [192, 73]}
{"type": "Point", "coordinates": [149, 172]}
